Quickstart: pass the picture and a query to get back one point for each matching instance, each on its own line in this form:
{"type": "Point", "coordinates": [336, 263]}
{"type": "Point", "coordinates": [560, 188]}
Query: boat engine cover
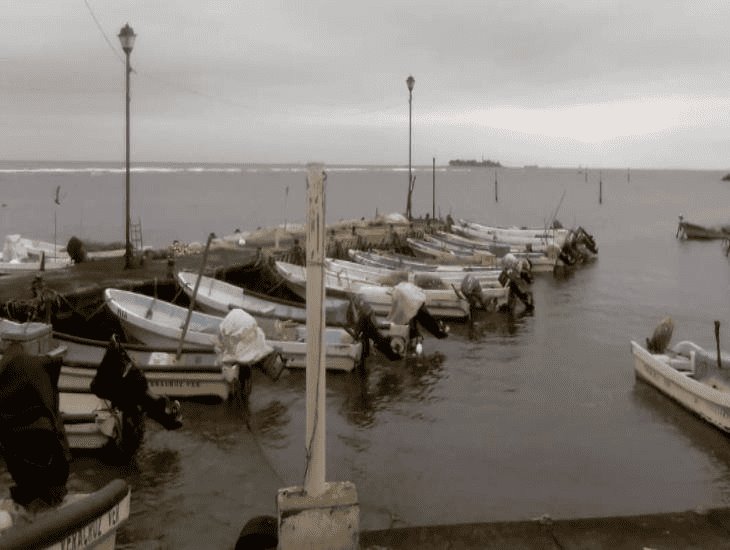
{"type": "Point", "coordinates": [407, 300]}
{"type": "Point", "coordinates": [241, 340]}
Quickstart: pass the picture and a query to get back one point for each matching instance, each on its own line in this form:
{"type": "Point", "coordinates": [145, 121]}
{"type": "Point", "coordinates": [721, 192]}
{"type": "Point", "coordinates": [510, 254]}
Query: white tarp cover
{"type": "Point", "coordinates": [407, 300]}
{"type": "Point", "coordinates": [240, 340]}
{"type": "Point", "coordinates": [394, 218]}
{"type": "Point", "coordinates": [14, 249]}
{"type": "Point", "coordinates": [510, 261]}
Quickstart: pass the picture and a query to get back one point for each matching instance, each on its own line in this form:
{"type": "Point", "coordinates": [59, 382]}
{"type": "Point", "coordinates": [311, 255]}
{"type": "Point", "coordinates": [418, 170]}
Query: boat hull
{"type": "Point", "coordinates": [705, 401]}
{"type": "Point", "coordinates": [191, 375]}
{"type": "Point", "coordinates": [89, 422]}
{"type": "Point", "coordinates": [340, 354]}
{"type": "Point", "coordinates": [85, 521]}
{"type": "Point", "coordinates": [693, 231]}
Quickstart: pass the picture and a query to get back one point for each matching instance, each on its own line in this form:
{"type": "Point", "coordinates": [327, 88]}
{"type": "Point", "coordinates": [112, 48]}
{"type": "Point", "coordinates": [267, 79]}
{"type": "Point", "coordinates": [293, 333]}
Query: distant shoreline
{"type": "Point", "coordinates": [475, 163]}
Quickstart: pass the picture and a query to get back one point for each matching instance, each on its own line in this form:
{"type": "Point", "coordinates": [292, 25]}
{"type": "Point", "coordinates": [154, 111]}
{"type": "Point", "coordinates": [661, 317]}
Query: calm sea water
{"type": "Point", "coordinates": [510, 420]}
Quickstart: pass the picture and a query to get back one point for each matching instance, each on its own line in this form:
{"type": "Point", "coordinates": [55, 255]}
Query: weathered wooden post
{"type": "Point", "coordinates": [433, 191]}
{"type": "Point", "coordinates": [496, 187]}
{"type": "Point", "coordinates": [319, 515]}
{"type": "Point", "coordinates": [600, 187]}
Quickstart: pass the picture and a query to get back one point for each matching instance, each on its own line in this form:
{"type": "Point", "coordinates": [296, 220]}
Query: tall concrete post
{"type": "Point", "coordinates": [316, 426]}
{"type": "Point", "coordinates": [319, 515]}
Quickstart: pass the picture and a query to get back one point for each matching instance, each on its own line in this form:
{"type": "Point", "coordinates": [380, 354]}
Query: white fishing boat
{"type": "Point", "coordinates": [539, 261]}
{"type": "Point", "coordinates": [160, 324]}
{"type": "Point", "coordinates": [192, 374]}
{"type": "Point", "coordinates": [219, 297]}
{"type": "Point", "coordinates": [392, 260]}
{"type": "Point", "coordinates": [36, 248]}
{"type": "Point", "coordinates": [26, 266]}
{"type": "Point", "coordinates": [488, 278]}
{"type": "Point", "coordinates": [519, 235]}
{"type": "Point", "coordinates": [548, 243]}
{"type": "Point", "coordinates": [90, 422]}
{"type": "Point", "coordinates": [450, 254]}
{"type": "Point", "coordinates": [690, 375]}
{"type": "Point", "coordinates": [441, 303]}
{"type": "Point", "coordinates": [82, 520]}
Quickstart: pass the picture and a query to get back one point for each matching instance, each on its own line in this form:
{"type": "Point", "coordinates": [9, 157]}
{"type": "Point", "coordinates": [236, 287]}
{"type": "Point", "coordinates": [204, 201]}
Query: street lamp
{"type": "Point", "coordinates": [410, 81]}
{"type": "Point", "coordinates": [126, 37]}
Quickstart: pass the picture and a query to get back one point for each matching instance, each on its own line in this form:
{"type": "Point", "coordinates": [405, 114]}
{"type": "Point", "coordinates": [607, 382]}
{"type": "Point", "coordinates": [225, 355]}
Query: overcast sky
{"type": "Point", "coordinates": [563, 83]}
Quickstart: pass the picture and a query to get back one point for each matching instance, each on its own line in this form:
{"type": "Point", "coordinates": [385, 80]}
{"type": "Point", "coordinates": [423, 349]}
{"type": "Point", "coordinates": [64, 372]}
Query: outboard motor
{"type": "Point", "coordinates": [407, 312]}
{"type": "Point", "coordinates": [513, 276]}
{"type": "Point", "coordinates": [472, 291]}
{"type": "Point", "coordinates": [362, 326]}
{"type": "Point", "coordinates": [120, 381]}
{"type": "Point", "coordinates": [661, 337]}
{"type": "Point", "coordinates": [241, 346]}
{"type": "Point", "coordinates": [567, 253]}
{"type": "Point", "coordinates": [587, 240]}
{"type": "Point", "coordinates": [32, 437]}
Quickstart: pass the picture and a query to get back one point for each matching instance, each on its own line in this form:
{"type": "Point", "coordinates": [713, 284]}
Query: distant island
{"type": "Point", "coordinates": [726, 178]}
{"type": "Point", "coordinates": [479, 163]}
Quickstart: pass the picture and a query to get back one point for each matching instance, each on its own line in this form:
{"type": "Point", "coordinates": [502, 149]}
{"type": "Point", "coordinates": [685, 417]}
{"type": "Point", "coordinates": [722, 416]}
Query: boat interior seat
{"type": "Point", "coordinates": [682, 364]}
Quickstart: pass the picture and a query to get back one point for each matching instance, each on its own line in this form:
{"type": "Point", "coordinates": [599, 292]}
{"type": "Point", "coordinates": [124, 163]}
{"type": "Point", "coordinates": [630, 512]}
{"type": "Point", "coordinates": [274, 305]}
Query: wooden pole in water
{"type": "Point", "coordinates": [433, 192]}
{"type": "Point", "coordinates": [717, 343]}
{"type": "Point", "coordinates": [600, 187]}
{"type": "Point", "coordinates": [496, 187]}
{"type": "Point", "coordinates": [314, 474]}
{"type": "Point", "coordinates": [192, 298]}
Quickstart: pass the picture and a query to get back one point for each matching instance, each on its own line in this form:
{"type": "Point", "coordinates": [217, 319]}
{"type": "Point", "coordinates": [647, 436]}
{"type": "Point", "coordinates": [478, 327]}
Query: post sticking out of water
{"type": "Point", "coordinates": [600, 187]}
{"type": "Point", "coordinates": [192, 298]}
{"type": "Point", "coordinates": [628, 175]}
{"type": "Point", "coordinates": [314, 475]}
{"type": "Point", "coordinates": [496, 187]}
{"type": "Point", "coordinates": [320, 514]}
{"type": "Point", "coordinates": [433, 192]}
{"type": "Point", "coordinates": [717, 343]}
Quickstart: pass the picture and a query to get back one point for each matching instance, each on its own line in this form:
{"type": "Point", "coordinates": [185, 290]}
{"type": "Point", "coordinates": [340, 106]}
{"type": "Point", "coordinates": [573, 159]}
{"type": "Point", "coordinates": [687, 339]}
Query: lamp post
{"type": "Point", "coordinates": [126, 37]}
{"type": "Point", "coordinates": [410, 81]}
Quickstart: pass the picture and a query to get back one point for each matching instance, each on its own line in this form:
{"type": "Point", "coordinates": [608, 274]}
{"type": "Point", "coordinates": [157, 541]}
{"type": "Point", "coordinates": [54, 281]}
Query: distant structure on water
{"type": "Point", "coordinates": [726, 177]}
{"type": "Point", "coordinates": [479, 163]}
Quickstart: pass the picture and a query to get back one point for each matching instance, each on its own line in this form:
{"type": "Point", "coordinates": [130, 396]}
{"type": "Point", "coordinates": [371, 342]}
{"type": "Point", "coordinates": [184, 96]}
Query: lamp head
{"type": "Point", "coordinates": [126, 37]}
{"type": "Point", "coordinates": [410, 81]}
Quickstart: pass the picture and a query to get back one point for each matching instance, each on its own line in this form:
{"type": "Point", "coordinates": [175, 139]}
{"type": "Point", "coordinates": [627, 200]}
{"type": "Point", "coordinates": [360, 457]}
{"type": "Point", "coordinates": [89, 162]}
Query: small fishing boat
{"type": "Point", "coordinates": [26, 266]}
{"type": "Point", "coordinates": [219, 297]}
{"type": "Point", "coordinates": [518, 235]}
{"type": "Point", "coordinates": [192, 374]}
{"type": "Point", "coordinates": [388, 276]}
{"type": "Point", "coordinates": [157, 323]}
{"type": "Point", "coordinates": [449, 254]}
{"type": "Point", "coordinates": [688, 230]}
{"type": "Point", "coordinates": [90, 420]}
{"type": "Point", "coordinates": [687, 373]}
{"type": "Point", "coordinates": [546, 242]}
{"type": "Point", "coordinates": [498, 249]}
{"type": "Point", "coordinates": [441, 303]}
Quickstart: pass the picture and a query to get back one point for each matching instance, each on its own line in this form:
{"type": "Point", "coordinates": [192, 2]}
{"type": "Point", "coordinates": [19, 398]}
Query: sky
{"type": "Point", "coordinates": [555, 83]}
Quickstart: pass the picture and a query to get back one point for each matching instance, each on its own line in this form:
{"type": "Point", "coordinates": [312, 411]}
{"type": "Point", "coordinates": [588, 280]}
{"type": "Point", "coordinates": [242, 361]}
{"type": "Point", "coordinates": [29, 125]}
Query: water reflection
{"type": "Point", "coordinates": [484, 324]}
{"type": "Point", "coordinates": [270, 422]}
{"type": "Point", "coordinates": [367, 391]}
{"type": "Point", "coordinates": [701, 435]}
